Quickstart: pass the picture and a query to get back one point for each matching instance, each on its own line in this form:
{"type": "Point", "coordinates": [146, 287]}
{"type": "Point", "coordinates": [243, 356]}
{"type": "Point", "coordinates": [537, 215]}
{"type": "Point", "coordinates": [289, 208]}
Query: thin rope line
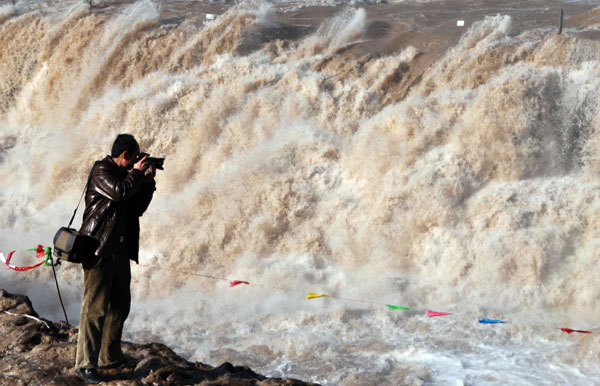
{"type": "Point", "coordinates": [30, 317]}
{"type": "Point", "coordinates": [258, 284]}
{"type": "Point", "coordinates": [358, 300]}
{"type": "Point", "coordinates": [58, 290]}
{"type": "Point", "coordinates": [212, 277]}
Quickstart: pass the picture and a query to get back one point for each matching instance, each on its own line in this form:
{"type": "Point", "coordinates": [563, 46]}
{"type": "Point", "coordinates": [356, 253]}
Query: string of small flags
{"type": "Point", "coordinates": [46, 253]}
{"type": "Point", "coordinates": [311, 295]}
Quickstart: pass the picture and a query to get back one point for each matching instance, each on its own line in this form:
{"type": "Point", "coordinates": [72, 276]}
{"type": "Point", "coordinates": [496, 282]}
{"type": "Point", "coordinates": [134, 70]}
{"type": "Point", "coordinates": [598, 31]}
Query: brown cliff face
{"type": "Point", "coordinates": [35, 351]}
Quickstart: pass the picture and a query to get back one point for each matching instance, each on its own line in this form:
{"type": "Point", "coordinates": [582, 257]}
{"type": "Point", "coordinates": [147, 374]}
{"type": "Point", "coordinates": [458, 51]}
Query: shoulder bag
{"type": "Point", "coordinates": [71, 246]}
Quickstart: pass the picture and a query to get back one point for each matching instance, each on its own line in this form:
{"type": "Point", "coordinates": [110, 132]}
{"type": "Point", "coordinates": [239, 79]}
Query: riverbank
{"type": "Point", "coordinates": [36, 351]}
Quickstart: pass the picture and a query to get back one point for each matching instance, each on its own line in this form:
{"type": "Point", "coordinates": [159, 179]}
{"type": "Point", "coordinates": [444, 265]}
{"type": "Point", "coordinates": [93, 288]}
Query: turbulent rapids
{"type": "Point", "coordinates": [307, 158]}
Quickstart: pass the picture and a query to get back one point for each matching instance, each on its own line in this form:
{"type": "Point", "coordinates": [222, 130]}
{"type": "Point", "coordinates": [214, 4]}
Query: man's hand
{"type": "Point", "coordinates": [142, 164]}
{"type": "Point", "coordinates": [150, 173]}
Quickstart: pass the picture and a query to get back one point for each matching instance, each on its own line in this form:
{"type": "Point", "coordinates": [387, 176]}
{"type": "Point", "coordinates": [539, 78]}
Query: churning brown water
{"type": "Point", "coordinates": [372, 152]}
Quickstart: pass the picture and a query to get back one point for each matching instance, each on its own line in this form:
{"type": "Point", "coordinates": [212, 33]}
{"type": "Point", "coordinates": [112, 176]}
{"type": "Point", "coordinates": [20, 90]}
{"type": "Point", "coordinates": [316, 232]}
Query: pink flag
{"type": "Point", "coordinates": [236, 282]}
{"type": "Point", "coordinates": [431, 314]}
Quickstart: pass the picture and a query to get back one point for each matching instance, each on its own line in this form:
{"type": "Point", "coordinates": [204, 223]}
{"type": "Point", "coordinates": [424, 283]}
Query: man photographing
{"type": "Point", "coordinates": [120, 190]}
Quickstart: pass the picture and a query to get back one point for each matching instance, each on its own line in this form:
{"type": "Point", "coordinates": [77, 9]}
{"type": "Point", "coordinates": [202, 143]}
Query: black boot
{"type": "Point", "coordinates": [90, 375]}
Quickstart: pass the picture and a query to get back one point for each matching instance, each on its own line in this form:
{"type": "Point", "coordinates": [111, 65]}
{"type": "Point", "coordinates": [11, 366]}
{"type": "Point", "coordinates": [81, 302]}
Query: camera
{"type": "Point", "coordinates": [157, 163]}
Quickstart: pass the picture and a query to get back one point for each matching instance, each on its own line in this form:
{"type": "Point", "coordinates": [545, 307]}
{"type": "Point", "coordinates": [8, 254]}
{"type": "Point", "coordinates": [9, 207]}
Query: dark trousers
{"type": "Point", "coordinates": [105, 306]}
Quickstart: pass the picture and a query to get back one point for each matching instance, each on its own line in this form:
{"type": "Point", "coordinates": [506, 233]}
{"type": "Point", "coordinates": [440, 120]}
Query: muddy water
{"type": "Point", "coordinates": [377, 153]}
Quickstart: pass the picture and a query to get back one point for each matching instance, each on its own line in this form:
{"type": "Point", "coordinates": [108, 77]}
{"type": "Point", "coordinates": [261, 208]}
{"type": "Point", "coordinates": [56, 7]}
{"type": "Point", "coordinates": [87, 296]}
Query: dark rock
{"type": "Point", "coordinates": [40, 352]}
{"type": "Point", "coordinates": [18, 320]}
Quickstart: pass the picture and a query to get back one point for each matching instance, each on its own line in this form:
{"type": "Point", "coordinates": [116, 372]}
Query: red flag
{"type": "Point", "coordinates": [10, 266]}
{"type": "Point", "coordinates": [568, 331]}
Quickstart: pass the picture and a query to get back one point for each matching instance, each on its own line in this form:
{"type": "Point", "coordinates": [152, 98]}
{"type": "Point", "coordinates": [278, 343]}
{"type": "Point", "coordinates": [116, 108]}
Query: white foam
{"type": "Point", "coordinates": [293, 169]}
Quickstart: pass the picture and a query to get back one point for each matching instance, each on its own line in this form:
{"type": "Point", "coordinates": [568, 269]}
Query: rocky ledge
{"type": "Point", "coordinates": [36, 351]}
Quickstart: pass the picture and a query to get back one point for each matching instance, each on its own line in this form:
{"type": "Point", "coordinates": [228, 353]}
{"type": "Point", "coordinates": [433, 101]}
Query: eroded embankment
{"type": "Point", "coordinates": [36, 351]}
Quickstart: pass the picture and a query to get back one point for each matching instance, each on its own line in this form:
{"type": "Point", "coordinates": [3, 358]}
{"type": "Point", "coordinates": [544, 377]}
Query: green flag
{"type": "Point", "coordinates": [392, 307]}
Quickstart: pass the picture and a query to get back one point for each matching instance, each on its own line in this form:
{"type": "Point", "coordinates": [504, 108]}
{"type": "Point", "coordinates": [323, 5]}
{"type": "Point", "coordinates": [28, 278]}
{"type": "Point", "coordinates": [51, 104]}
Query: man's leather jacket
{"type": "Point", "coordinates": [115, 195]}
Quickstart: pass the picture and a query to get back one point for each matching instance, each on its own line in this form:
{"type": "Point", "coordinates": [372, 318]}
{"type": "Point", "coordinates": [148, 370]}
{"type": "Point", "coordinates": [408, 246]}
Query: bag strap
{"type": "Point", "coordinates": [82, 194]}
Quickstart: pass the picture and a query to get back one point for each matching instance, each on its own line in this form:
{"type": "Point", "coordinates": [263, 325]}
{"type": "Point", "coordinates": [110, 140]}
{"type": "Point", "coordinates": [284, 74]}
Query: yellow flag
{"type": "Point", "coordinates": [314, 296]}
